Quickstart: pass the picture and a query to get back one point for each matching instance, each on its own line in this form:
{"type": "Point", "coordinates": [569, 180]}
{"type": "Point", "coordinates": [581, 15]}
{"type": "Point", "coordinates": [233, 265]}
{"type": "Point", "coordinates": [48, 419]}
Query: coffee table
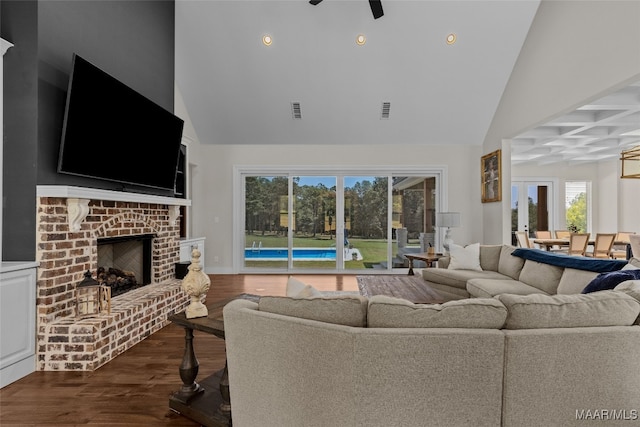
{"type": "Point", "coordinates": [207, 402]}
{"type": "Point", "coordinates": [411, 288]}
{"type": "Point", "coordinates": [427, 257]}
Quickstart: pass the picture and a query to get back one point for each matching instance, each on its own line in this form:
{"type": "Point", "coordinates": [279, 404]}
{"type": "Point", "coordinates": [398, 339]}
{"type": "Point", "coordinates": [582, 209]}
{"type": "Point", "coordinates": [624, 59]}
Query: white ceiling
{"type": "Point", "coordinates": [238, 91]}
{"type": "Point", "coordinates": [597, 131]}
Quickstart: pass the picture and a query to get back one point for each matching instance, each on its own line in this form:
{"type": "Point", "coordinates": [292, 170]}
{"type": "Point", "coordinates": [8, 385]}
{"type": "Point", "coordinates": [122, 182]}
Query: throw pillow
{"type": "Point", "coordinates": [465, 258]}
{"type": "Point", "coordinates": [605, 281]}
{"type": "Point", "coordinates": [299, 289]}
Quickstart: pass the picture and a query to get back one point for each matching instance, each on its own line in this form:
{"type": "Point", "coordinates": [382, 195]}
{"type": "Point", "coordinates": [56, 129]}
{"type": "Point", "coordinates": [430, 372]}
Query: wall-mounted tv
{"type": "Point", "coordinates": [111, 132]}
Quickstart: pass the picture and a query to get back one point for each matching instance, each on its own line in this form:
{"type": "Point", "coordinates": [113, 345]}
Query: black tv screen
{"type": "Point", "coordinates": [112, 132]}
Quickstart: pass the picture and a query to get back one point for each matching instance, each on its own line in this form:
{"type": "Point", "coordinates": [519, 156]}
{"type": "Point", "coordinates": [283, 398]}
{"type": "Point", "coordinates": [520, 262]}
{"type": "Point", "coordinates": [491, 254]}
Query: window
{"type": "Point", "coordinates": [578, 206]}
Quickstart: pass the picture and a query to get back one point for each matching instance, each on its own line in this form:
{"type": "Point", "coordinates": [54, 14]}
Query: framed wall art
{"type": "Point", "coordinates": [491, 171]}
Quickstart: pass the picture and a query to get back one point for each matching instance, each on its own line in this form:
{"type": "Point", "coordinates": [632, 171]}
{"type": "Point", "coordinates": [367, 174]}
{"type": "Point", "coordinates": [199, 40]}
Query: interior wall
{"type": "Point", "coordinates": [629, 201]}
{"type": "Point", "coordinates": [573, 54]}
{"type": "Point", "coordinates": [213, 186]}
{"type": "Point", "coordinates": [133, 41]}
{"type": "Point", "coordinates": [20, 133]}
{"type": "Point", "coordinates": [615, 201]}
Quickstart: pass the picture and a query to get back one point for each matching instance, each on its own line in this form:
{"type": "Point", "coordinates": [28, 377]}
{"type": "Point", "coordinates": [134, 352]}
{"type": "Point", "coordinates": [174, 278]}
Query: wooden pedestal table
{"type": "Point", "coordinates": [425, 256]}
{"type": "Point", "coordinates": [207, 402]}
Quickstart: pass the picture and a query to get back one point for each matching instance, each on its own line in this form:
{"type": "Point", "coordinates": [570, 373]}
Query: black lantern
{"type": "Point", "coordinates": [91, 297]}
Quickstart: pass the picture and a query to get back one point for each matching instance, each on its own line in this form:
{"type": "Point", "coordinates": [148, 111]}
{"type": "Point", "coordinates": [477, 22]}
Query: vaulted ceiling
{"type": "Point", "coordinates": [238, 90]}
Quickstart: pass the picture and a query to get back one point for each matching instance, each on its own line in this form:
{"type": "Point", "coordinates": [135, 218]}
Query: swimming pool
{"type": "Point", "coordinates": [281, 254]}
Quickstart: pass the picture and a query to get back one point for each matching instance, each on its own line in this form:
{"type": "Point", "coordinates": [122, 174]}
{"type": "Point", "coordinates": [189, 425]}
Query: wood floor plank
{"type": "Point", "coordinates": [133, 389]}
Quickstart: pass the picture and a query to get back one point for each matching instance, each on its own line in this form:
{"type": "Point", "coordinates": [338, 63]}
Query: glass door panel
{"type": "Point", "coordinates": [531, 207]}
{"type": "Point", "coordinates": [266, 222]}
{"type": "Point", "coordinates": [413, 217]}
{"type": "Point", "coordinates": [314, 241]}
{"type": "Point", "coordinates": [365, 222]}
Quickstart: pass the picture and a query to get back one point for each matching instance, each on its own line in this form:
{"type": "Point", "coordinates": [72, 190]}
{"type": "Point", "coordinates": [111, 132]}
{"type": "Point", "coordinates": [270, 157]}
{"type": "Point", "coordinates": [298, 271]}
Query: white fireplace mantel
{"type": "Point", "coordinates": [72, 192]}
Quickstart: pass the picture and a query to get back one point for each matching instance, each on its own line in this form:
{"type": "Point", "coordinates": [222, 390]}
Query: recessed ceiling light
{"type": "Point", "coordinates": [361, 39]}
{"type": "Point", "coordinates": [451, 38]}
{"type": "Point", "coordinates": [267, 40]}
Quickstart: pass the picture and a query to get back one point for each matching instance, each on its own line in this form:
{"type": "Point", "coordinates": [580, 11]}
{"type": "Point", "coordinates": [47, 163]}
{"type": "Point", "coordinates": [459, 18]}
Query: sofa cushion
{"type": "Point", "coordinates": [457, 278]}
{"type": "Point", "coordinates": [632, 288]}
{"type": "Point", "coordinates": [508, 264]}
{"type": "Point", "coordinates": [465, 258]}
{"type": "Point", "coordinates": [542, 276]}
{"type": "Point", "coordinates": [604, 281]}
{"type": "Point", "coordinates": [488, 288]}
{"type": "Point", "coordinates": [490, 257]}
{"type": "Point", "coordinates": [573, 281]}
{"type": "Point", "coordinates": [349, 310]}
{"type": "Point", "coordinates": [605, 308]}
{"type": "Point", "coordinates": [633, 264]}
{"type": "Point", "coordinates": [389, 312]}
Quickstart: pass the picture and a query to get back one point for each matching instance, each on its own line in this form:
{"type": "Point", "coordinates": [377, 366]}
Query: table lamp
{"type": "Point", "coordinates": [448, 220]}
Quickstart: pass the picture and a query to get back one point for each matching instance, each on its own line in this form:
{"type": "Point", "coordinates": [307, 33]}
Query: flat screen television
{"type": "Point", "coordinates": [111, 132]}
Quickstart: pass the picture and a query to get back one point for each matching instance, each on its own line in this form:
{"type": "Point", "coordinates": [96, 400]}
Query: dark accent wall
{"type": "Point", "coordinates": [131, 40]}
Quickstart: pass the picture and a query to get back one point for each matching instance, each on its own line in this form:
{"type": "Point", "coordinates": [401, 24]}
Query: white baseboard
{"type": "Point", "coordinates": [17, 370]}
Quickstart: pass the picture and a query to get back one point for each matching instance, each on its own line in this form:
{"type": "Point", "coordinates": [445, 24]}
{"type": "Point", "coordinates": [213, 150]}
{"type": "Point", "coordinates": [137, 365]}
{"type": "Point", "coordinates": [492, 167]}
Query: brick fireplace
{"type": "Point", "coordinates": [70, 222]}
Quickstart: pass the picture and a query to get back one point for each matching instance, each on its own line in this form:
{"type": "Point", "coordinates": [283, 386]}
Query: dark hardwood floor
{"type": "Point", "coordinates": [134, 388]}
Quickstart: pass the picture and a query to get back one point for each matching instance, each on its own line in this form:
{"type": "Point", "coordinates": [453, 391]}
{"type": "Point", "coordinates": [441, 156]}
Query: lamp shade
{"type": "Point", "coordinates": [448, 219]}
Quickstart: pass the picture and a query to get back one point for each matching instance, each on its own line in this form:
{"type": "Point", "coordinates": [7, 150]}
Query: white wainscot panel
{"type": "Point", "coordinates": [17, 321]}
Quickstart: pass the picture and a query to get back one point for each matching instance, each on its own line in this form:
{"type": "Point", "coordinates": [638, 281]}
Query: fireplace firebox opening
{"type": "Point", "coordinates": [124, 263]}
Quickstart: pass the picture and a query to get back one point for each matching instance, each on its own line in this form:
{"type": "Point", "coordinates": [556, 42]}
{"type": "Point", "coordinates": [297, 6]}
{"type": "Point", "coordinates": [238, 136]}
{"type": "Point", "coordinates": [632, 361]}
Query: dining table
{"type": "Point", "coordinates": [548, 244]}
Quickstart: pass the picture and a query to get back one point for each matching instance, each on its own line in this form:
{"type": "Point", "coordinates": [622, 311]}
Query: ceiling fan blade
{"type": "Point", "coordinates": [376, 8]}
{"type": "Point", "coordinates": [314, 2]}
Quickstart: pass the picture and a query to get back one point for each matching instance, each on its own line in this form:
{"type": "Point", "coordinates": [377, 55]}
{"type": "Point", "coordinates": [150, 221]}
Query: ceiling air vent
{"type": "Point", "coordinates": [296, 111]}
{"type": "Point", "coordinates": [386, 109]}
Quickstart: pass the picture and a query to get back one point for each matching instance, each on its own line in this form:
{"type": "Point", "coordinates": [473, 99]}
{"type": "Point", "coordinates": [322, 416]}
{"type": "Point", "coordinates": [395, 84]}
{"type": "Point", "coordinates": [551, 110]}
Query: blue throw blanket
{"type": "Point", "coordinates": [605, 281]}
{"type": "Point", "coordinates": [570, 261]}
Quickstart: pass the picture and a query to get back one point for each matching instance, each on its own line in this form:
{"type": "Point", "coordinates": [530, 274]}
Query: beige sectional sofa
{"type": "Point", "coordinates": [512, 360]}
{"type": "Point", "coordinates": [504, 273]}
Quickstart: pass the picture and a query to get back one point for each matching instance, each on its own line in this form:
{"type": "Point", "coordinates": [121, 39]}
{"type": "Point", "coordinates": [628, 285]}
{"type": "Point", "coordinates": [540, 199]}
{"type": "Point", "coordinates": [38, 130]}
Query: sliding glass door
{"type": "Point", "coordinates": [366, 219]}
{"type": "Point", "coordinates": [313, 240]}
{"type": "Point", "coordinates": [266, 219]}
{"type": "Point", "coordinates": [324, 222]}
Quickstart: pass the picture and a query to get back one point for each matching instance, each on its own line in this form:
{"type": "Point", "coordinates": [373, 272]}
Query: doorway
{"type": "Point", "coordinates": [531, 207]}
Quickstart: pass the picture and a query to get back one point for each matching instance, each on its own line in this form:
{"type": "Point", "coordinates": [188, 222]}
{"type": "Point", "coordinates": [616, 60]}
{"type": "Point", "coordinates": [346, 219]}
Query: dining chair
{"type": "Point", "coordinates": [602, 245]}
{"type": "Point", "coordinates": [543, 234]}
{"type": "Point", "coordinates": [578, 243]}
{"type": "Point", "coordinates": [619, 249]}
{"type": "Point", "coordinates": [563, 234]}
{"type": "Point", "coordinates": [635, 245]}
{"type": "Point", "coordinates": [523, 239]}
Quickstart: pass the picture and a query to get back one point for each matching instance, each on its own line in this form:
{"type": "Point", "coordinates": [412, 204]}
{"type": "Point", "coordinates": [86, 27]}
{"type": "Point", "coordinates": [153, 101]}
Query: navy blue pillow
{"type": "Point", "coordinates": [604, 281]}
